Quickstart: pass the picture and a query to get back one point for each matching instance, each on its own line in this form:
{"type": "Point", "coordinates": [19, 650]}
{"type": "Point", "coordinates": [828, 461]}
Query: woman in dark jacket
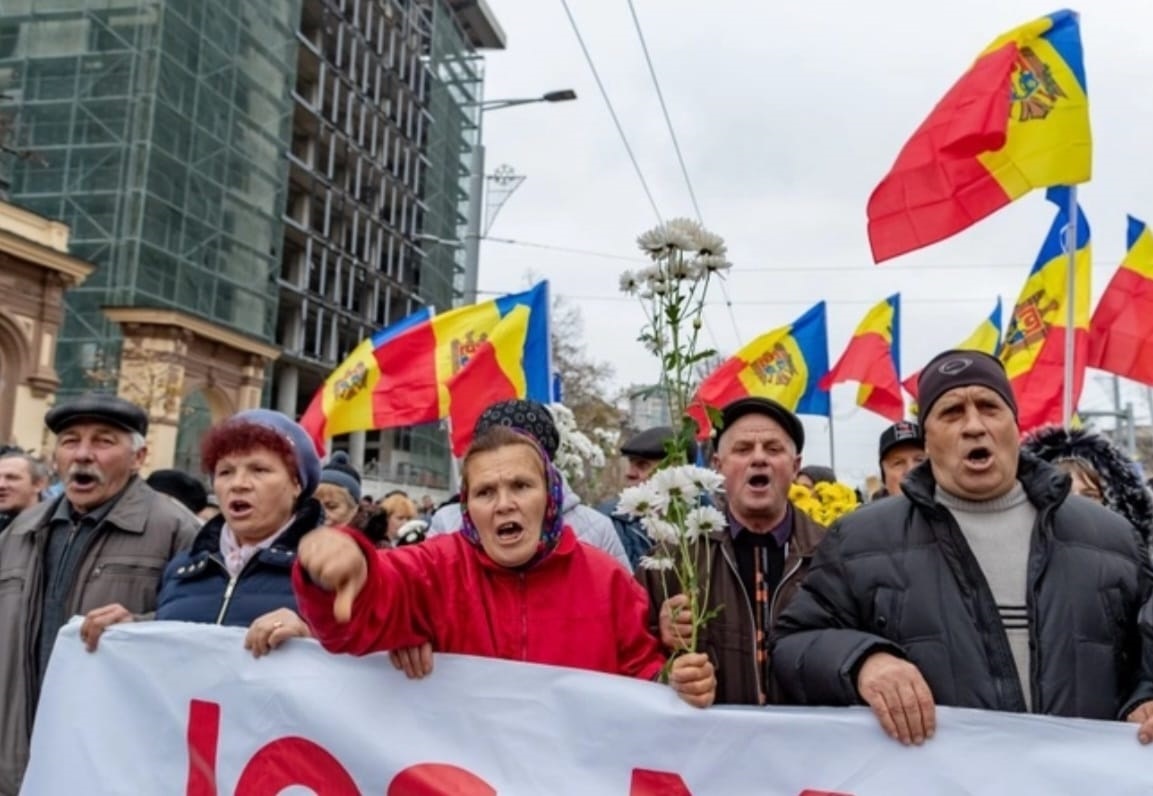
{"type": "Point", "coordinates": [264, 469]}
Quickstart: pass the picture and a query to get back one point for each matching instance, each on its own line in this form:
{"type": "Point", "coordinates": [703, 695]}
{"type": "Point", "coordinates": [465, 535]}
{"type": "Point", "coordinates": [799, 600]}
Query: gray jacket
{"type": "Point", "coordinates": [141, 532]}
{"type": "Point", "coordinates": [589, 525]}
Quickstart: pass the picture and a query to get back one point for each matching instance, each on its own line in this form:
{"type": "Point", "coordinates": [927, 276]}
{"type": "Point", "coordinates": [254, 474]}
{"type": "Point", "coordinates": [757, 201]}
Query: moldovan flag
{"type": "Point", "coordinates": [784, 364]}
{"type": "Point", "coordinates": [1034, 347]}
{"type": "Point", "coordinates": [872, 358]}
{"type": "Point", "coordinates": [399, 376]}
{"type": "Point", "coordinates": [1121, 332]}
{"type": "Point", "coordinates": [985, 338]}
{"type": "Point", "coordinates": [494, 373]}
{"type": "Point", "coordinates": [1017, 120]}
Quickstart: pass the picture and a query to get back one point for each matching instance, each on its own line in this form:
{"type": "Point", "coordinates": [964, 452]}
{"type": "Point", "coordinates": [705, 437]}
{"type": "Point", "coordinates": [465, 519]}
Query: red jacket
{"type": "Point", "coordinates": [578, 607]}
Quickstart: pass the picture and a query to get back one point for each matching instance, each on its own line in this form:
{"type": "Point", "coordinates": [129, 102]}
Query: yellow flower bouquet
{"type": "Point", "coordinates": [825, 503]}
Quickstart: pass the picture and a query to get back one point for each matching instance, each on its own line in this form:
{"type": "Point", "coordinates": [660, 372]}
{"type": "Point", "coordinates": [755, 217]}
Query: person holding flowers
{"type": "Point", "coordinates": [514, 583]}
{"type": "Point", "coordinates": [750, 554]}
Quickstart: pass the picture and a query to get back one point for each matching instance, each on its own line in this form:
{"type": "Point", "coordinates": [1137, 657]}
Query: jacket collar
{"type": "Point", "coordinates": [804, 539]}
{"type": "Point", "coordinates": [307, 518]}
{"type": "Point", "coordinates": [565, 547]}
{"type": "Point", "coordinates": [129, 514]}
{"type": "Point", "coordinates": [1043, 483]}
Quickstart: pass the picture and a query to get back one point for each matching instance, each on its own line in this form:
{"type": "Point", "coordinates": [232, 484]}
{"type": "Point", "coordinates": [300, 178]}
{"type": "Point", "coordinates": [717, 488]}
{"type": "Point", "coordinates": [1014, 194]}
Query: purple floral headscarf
{"type": "Point", "coordinates": [553, 522]}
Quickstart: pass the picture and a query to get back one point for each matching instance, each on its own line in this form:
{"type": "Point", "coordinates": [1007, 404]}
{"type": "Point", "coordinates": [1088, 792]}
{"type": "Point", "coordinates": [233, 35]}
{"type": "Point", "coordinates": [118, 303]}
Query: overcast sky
{"type": "Point", "coordinates": [786, 124]}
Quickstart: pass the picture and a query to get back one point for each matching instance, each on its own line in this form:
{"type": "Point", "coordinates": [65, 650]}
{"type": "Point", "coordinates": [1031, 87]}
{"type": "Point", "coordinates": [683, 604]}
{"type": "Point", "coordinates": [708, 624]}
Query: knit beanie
{"type": "Point", "coordinates": [303, 448]}
{"type": "Point", "coordinates": [527, 416]}
{"type": "Point", "coordinates": [959, 368]}
{"type": "Point", "coordinates": [340, 472]}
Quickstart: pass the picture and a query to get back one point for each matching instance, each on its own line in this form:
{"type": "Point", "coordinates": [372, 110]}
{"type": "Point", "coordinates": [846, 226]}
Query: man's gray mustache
{"type": "Point", "coordinates": [91, 472]}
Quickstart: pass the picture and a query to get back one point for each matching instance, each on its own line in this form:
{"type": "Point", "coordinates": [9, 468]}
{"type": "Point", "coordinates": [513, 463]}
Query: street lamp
{"type": "Point", "coordinates": [476, 184]}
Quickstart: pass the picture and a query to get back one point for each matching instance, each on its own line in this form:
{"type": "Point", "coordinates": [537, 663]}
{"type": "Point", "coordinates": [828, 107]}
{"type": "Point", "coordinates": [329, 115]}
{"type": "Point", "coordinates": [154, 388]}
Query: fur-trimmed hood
{"type": "Point", "coordinates": [1124, 491]}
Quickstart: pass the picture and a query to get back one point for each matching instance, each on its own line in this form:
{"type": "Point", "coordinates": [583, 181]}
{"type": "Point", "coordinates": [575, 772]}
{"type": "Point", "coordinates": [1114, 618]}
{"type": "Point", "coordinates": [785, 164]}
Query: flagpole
{"type": "Point", "coordinates": [832, 445]}
{"type": "Point", "coordinates": [1067, 407]}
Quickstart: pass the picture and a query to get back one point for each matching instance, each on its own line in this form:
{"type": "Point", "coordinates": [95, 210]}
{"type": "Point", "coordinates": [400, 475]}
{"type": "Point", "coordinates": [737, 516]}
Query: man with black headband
{"type": "Point", "coordinates": [984, 585]}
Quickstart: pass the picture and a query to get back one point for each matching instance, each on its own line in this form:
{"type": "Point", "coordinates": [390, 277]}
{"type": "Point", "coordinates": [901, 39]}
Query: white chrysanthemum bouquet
{"type": "Point", "coordinates": [675, 506]}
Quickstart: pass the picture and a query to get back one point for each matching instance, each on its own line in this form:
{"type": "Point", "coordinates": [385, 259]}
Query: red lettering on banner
{"type": "Point", "coordinates": [295, 761]}
{"type": "Point", "coordinates": [291, 761]}
{"type": "Point", "coordinates": [438, 779]}
{"type": "Point", "coordinates": [203, 737]}
{"type": "Point", "coordinates": [657, 783]}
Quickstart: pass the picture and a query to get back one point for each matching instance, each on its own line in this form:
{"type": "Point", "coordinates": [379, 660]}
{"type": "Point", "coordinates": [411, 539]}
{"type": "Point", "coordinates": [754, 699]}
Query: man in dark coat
{"type": "Point", "coordinates": [984, 585]}
{"type": "Point", "coordinates": [754, 566]}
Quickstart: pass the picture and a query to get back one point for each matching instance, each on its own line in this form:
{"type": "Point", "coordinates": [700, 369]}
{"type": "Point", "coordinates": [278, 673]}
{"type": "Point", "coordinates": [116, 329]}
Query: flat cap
{"type": "Point", "coordinates": [98, 407]}
{"type": "Point", "coordinates": [650, 444]}
{"type": "Point", "coordinates": [767, 407]}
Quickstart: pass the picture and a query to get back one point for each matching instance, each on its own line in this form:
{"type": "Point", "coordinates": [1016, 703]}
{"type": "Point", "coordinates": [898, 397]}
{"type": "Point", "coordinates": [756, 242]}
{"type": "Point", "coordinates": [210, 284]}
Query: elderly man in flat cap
{"type": "Point", "coordinates": [984, 584]}
{"type": "Point", "coordinates": [755, 565]}
{"type": "Point", "coordinates": [104, 542]}
{"type": "Point", "coordinates": [643, 453]}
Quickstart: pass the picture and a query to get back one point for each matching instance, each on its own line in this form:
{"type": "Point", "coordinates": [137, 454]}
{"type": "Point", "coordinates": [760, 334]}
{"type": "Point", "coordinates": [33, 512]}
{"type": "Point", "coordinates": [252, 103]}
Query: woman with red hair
{"type": "Point", "coordinates": [264, 470]}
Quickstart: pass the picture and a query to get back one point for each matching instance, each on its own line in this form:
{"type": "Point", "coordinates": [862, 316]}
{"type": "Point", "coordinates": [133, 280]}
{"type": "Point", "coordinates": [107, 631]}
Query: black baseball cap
{"type": "Point", "coordinates": [905, 432]}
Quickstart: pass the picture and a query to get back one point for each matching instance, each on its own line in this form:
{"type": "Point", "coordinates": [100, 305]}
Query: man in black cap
{"type": "Point", "coordinates": [984, 584]}
{"type": "Point", "coordinates": [752, 567]}
{"type": "Point", "coordinates": [901, 449]}
{"type": "Point", "coordinates": [103, 543]}
{"type": "Point", "coordinates": [643, 452]}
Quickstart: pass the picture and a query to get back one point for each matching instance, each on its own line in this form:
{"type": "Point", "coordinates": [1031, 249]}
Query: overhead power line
{"type": "Point", "coordinates": [665, 110]}
{"type": "Point", "coordinates": [612, 111]}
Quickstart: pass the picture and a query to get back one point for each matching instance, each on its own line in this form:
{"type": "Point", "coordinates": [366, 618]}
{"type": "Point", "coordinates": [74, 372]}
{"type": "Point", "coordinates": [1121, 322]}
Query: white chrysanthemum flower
{"type": "Point", "coordinates": [677, 483]}
{"type": "Point", "coordinates": [710, 243]}
{"type": "Point", "coordinates": [659, 563]}
{"type": "Point", "coordinates": [712, 263]}
{"type": "Point", "coordinates": [629, 283]}
{"type": "Point", "coordinates": [679, 269]}
{"type": "Point", "coordinates": [702, 521]}
{"type": "Point", "coordinates": [706, 480]}
{"type": "Point", "coordinates": [661, 531]}
{"type": "Point", "coordinates": [642, 501]}
{"type": "Point", "coordinates": [664, 238]}
{"type": "Point", "coordinates": [688, 230]}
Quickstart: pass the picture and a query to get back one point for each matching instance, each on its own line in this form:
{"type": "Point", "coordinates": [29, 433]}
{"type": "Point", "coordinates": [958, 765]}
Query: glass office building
{"type": "Point", "coordinates": [155, 130]}
{"type": "Point", "coordinates": [293, 170]}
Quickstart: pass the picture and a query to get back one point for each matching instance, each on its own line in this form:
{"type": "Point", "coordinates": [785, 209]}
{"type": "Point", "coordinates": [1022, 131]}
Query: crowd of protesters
{"type": "Point", "coordinates": [989, 571]}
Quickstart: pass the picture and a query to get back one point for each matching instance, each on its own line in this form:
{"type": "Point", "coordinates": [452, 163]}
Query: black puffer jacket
{"type": "Point", "coordinates": [898, 576]}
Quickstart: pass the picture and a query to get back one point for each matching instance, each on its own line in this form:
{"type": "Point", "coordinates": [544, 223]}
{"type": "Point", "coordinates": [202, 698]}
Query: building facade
{"type": "Point", "coordinates": [256, 182]}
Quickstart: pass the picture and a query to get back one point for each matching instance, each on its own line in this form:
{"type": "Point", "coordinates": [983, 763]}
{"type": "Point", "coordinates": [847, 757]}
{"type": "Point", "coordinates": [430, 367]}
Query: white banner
{"type": "Point", "coordinates": [167, 708]}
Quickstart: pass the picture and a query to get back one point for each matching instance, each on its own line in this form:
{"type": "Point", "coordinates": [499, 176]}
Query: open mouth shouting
{"type": "Point", "coordinates": [84, 480]}
{"type": "Point", "coordinates": [758, 482]}
{"type": "Point", "coordinates": [239, 509]}
{"type": "Point", "coordinates": [509, 533]}
{"type": "Point", "coordinates": [978, 459]}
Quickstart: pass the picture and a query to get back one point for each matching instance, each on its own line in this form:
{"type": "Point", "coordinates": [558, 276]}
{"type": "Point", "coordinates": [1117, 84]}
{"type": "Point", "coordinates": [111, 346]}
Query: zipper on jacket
{"type": "Point", "coordinates": [761, 692]}
{"type": "Point", "coordinates": [523, 617]}
{"type": "Point", "coordinates": [777, 591]}
{"type": "Point", "coordinates": [227, 598]}
{"type": "Point", "coordinates": [1031, 604]}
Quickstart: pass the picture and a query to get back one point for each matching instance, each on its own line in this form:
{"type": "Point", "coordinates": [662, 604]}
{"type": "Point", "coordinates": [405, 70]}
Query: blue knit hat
{"type": "Point", "coordinates": [303, 448]}
{"type": "Point", "coordinates": [340, 472]}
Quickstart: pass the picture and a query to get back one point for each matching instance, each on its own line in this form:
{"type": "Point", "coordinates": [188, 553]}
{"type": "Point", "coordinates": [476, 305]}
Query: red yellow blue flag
{"type": "Point", "coordinates": [1034, 348]}
{"type": "Point", "coordinates": [400, 375]}
{"type": "Point", "coordinates": [986, 337]}
{"type": "Point", "coordinates": [784, 364]}
{"type": "Point", "coordinates": [1121, 331]}
{"type": "Point", "coordinates": [1017, 120]}
{"type": "Point", "coordinates": [492, 374]}
{"type": "Point", "coordinates": [872, 359]}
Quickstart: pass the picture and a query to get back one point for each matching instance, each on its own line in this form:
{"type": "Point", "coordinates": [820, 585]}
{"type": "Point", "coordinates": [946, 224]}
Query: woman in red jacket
{"type": "Point", "coordinates": [514, 583]}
